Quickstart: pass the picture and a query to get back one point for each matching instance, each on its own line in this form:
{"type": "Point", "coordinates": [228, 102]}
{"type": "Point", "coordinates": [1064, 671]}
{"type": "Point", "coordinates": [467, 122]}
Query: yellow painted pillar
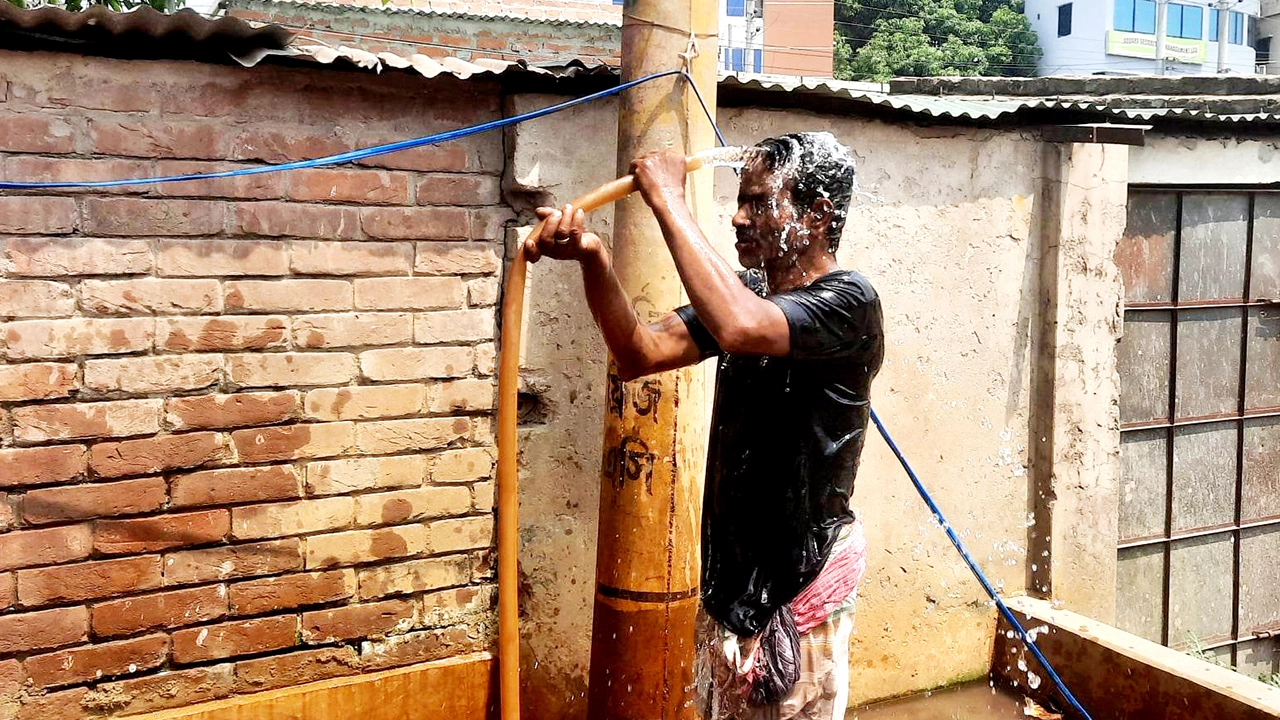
{"type": "Point", "coordinates": [642, 648]}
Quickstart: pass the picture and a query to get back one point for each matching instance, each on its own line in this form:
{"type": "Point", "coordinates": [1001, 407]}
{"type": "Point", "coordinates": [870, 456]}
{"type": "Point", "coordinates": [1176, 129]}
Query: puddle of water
{"type": "Point", "coordinates": [971, 701]}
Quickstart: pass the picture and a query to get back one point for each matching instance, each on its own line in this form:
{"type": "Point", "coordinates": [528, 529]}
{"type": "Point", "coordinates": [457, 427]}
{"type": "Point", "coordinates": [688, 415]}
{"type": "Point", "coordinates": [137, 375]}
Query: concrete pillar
{"type": "Point", "coordinates": [1075, 458]}
{"type": "Point", "coordinates": [646, 601]}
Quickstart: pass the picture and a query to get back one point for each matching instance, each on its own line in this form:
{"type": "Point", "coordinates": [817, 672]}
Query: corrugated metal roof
{"type": "Point", "coordinates": [989, 108]}
{"type": "Point", "coordinates": [460, 14]}
{"type": "Point", "coordinates": [100, 25]}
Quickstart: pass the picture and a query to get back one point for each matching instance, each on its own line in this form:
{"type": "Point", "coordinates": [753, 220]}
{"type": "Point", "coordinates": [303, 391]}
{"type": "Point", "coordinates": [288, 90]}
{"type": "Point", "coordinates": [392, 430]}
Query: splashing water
{"type": "Point", "coordinates": [730, 157]}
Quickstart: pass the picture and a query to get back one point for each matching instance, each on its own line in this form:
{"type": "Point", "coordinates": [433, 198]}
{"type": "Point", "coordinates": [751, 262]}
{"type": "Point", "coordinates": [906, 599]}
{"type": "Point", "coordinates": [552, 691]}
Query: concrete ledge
{"type": "Point", "coordinates": [1116, 675]}
{"type": "Point", "coordinates": [463, 688]}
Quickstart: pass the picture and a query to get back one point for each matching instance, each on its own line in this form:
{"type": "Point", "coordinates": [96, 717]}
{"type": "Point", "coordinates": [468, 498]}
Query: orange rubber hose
{"type": "Point", "coordinates": [508, 472]}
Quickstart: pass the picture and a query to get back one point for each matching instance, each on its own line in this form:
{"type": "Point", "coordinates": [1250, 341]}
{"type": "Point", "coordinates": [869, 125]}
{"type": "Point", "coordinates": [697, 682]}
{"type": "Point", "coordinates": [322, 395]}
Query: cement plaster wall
{"type": "Point", "coordinates": [953, 242]}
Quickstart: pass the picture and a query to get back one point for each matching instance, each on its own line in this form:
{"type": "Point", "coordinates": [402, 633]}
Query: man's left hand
{"type": "Point", "coordinates": [660, 177]}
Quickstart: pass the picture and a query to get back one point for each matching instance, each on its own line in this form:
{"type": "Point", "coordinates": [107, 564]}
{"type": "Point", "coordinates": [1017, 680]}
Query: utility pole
{"type": "Point", "coordinates": [1162, 18]}
{"type": "Point", "coordinates": [647, 566]}
{"type": "Point", "coordinates": [1224, 18]}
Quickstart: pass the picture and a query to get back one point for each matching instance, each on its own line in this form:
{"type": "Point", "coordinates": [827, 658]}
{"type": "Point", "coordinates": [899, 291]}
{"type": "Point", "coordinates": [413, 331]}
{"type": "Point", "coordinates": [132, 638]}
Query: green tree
{"type": "Point", "coordinates": [881, 39]}
{"type": "Point", "coordinates": [118, 5]}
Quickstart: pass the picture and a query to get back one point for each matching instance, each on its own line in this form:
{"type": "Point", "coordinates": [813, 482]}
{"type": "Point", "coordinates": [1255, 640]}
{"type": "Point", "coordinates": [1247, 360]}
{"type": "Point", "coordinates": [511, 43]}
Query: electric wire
{"type": "Point", "coordinates": [352, 155]}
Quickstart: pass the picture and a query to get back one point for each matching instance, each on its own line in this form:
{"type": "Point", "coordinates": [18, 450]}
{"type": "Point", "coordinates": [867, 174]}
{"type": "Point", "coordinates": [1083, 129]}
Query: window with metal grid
{"type": "Point", "coordinates": [1199, 369]}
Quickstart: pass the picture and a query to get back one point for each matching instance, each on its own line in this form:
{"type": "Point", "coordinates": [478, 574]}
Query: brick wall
{"type": "Point", "coordinates": [246, 424]}
{"type": "Point", "coordinates": [592, 38]}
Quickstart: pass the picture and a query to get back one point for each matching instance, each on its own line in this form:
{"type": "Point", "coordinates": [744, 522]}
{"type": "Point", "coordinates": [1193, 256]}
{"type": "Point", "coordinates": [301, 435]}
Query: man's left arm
{"type": "Point", "coordinates": [740, 321]}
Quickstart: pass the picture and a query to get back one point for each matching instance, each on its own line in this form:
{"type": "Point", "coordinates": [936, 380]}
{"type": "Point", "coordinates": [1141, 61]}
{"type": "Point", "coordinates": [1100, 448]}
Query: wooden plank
{"type": "Point", "coordinates": [456, 689]}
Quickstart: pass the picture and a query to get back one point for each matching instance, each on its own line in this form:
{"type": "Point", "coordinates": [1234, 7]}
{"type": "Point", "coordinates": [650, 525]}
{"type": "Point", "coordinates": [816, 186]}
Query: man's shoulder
{"type": "Point", "coordinates": [850, 283]}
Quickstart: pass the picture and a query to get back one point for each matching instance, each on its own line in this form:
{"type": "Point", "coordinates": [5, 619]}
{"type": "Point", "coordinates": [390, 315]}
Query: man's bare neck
{"type": "Point", "coordinates": [784, 278]}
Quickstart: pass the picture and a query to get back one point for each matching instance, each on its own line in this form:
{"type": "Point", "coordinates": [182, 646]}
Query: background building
{"type": "Point", "coordinates": [1087, 37]}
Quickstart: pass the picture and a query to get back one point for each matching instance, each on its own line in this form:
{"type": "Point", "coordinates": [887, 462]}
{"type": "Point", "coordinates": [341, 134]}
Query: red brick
{"type": "Point", "coordinates": [232, 561]}
{"type": "Point", "coordinates": [486, 358]}
{"type": "Point", "coordinates": [29, 215]}
{"type": "Point", "coordinates": [291, 591]}
{"type": "Point", "coordinates": [29, 548]}
{"type": "Point", "coordinates": [224, 411]}
{"type": "Point", "coordinates": [425, 646]}
{"type": "Point", "coordinates": [400, 506]}
{"type": "Point", "coordinates": [363, 546]}
{"type": "Point", "coordinates": [394, 436]}
{"type": "Point", "coordinates": [206, 258]}
{"type": "Point", "coordinates": [135, 216]}
{"type": "Point", "coordinates": [40, 466]}
{"type": "Point", "coordinates": [119, 418]}
{"type": "Point", "coordinates": [277, 671]}
{"type": "Point", "coordinates": [291, 518]}
{"type": "Point", "coordinates": [36, 133]}
{"type": "Point", "coordinates": [175, 689]}
{"type": "Point", "coordinates": [158, 454]}
{"type": "Point", "coordinates": [453, 189]}
{"type": "Point", "coordinates": [352, 330]}
{"type": "Point", "coordinates": [285, 369]}
{"type": "Point", "coordinates": [452, 157]}
{"type": "Point", "coordinates": [482, 292]}
{"type": "Point", "coordinates": [82, 664]}
{"type": "Point", "coordinates": [416, 223]}
{"type": "Point", "coordinates": [78, 502]}
{"type": "Point", "coordinates": [351, 258]}
{"type": "Point", "coordinates": [409, 293]}
{"type": "Point", "coordinates": [8, 515]}
{"type": "Point", "coordinates": [8, 591]}
{"type": "Point", "coordinates": [466, 395]}
{"type": "Point", "coordinates": [292, 442]}
{"type": "Point", "coordinates": [221, 333]}
{"type": "Point", "coordinates": [436, 258]}
{"type": "Point", "coordinates": [36, 381]}
{"type": "Point", "coordinates": [86, 581]}
{"type": "Point", "coordinates": [483, 497]}
{"type": "Point", "coordinates": [63, 705]}
{"type": "Point", "coordinates": [288, 295]}
{"type": "Point", "coordinates": [473, 533]}
{"type": "Point", "coordinates": [357, 621]}
{"type": "Point", "coordinates": [172, 608]}
{"type": "Point", "coordinates": [366, 187]}
{"type": "Point", "coordinates": [235, 485]}
{"type": "Point", "coordinates": [262, 186]}
{"type": "Point", "coordinates": [158, 138]}
{"type": "Point", "coordinates": [161, 532]}
{"type": "Point", "coordinates": [365, 402]}
{"type": "Point", "coordinates": [238, 637]}
{"type": "Point", "coordinates": [414, 576]}
{"type": "Point", "coordinates": [153, 374]}
{"type": "Point", "coordinates": [147, 296]}
{"type": "Point", "coordinates": [35, 298]}
{"type": "Point", "coordinates": [57, 257]}
{"type": "Point", "coordinates": [24, 632]}
{"type": "Point", "coordinates": [75, 88]}
{"type": "Point", "coordinates": [296, 220]}
{"type": "Point", "coordinates": [38, 339]}
{"type": "Point", "coordinates": [400, 364]}
{"type": "Point", "coordinates": [336, 477]}
{"type": "Point", "coordinates": [284, 145]}
{"type": "Point", "coordinates": [453, 326]}
{"type": "Point", "coordinates": [42, 169]}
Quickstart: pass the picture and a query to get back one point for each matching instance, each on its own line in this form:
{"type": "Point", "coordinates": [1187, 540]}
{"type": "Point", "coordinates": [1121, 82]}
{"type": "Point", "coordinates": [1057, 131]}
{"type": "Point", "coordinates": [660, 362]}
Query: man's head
{"type": "Point", "coordinates": [793, 199]}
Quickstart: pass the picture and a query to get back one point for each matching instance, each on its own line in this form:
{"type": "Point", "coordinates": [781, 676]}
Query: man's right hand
{"type": "Point", "coordinates": [563, 237]}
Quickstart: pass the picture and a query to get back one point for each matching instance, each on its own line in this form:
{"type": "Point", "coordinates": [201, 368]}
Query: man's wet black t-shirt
{"type": "Point", "coordinates": [786, 434]}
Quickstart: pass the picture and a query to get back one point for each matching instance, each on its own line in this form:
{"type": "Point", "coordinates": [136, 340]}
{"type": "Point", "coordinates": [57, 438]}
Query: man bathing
{"type": "Point", "coordinates": [799, 341]}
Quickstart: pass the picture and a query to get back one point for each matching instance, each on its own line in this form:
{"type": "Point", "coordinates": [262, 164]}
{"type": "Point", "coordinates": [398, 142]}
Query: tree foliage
{"type": "Point", "coordinates": [880, 39]}
{"type": "Point", "coordinates": [117, 5]}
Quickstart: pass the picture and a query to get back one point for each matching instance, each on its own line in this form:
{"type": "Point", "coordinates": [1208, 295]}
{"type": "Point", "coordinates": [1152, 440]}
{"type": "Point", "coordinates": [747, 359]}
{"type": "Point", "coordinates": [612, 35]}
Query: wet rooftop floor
{"type": "Point", "coordinates": [971, 701]}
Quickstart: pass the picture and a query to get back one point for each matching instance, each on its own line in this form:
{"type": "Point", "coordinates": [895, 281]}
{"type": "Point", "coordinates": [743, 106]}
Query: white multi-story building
{"type": "Point", "coordinates": [1089, 37]}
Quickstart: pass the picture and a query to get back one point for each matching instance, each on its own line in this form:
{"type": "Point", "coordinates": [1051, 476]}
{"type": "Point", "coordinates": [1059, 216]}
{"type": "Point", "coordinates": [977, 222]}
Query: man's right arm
{"type": "Point", "coordinates": [639, 349]}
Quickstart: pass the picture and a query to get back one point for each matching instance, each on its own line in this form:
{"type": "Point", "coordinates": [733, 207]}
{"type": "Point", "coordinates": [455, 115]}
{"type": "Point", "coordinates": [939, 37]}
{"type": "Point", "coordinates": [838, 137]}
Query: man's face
{"type": "Point", "coordinates": [767, 224]}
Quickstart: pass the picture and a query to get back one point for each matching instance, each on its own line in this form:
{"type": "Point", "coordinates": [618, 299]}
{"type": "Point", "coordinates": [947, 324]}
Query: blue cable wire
{"type": "Point", "coordinates": [352, 155]}
{"type": "Point", "coordinates": [977, 572]}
